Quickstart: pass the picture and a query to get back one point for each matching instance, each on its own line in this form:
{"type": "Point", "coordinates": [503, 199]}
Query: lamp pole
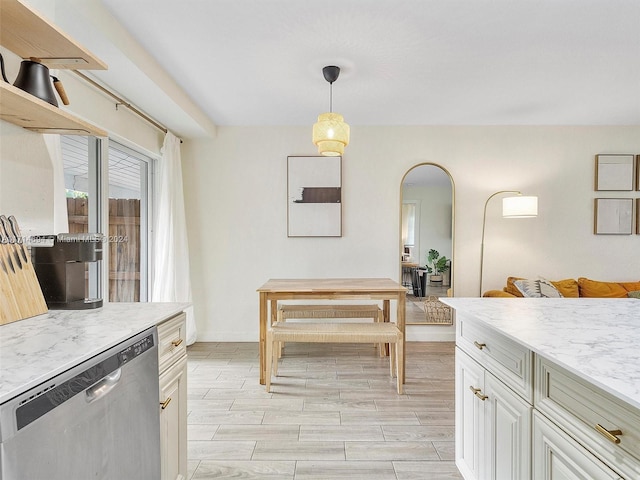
{"type": "Point", "coordinates": [484, 222]}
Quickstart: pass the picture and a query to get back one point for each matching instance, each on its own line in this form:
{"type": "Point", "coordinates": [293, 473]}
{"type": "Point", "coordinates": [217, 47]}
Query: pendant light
{"type": "Point", "coordinates": [330, 133]}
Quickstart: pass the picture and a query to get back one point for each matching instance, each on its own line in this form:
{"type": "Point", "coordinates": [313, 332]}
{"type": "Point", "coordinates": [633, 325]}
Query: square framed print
{"type": "Point", "coordinates": [614, 172]}
{"type": "Point", "coordinates": [613, 216]}
{"type": "Point", "coordinates": [314, 196]}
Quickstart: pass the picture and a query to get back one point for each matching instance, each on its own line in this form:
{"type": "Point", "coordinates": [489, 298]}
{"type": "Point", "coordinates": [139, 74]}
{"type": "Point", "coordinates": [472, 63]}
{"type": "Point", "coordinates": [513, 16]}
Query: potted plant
{"type": "Point", "coordinates": [436, 266]}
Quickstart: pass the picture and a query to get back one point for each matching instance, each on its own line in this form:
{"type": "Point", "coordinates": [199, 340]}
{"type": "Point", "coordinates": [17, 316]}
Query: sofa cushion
{"type": "Point", "coordinates": [596, 289]}
{"type": "Point", "coordinates": [540, 288]}
{"type": "Point", "coordinates": [497, 294]}
{"type": "Point", "coordinates": [567, 287]}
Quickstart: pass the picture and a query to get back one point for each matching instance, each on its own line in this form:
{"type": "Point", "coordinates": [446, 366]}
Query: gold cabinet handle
{"type": "Point", "coordinates": [478, 393]}
{"type": "Point", "coordinates": [609, 434]}
{"type": "Point", "coordinates": [176, 343]}
{"type": "Point", "coordinates": [165, 404]}
{"type": "Point", "coordinates": [479, 345]}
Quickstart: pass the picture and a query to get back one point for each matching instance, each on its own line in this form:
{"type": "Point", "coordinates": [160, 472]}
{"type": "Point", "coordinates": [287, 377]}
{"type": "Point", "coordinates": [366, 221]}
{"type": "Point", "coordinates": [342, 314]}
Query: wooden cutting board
{"type": "Point", "coordinates": [20, 293]}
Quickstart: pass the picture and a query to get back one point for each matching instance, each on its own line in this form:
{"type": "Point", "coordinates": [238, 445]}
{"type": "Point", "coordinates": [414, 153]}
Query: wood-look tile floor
{"type": "Point", "coordinates": [333, 413]}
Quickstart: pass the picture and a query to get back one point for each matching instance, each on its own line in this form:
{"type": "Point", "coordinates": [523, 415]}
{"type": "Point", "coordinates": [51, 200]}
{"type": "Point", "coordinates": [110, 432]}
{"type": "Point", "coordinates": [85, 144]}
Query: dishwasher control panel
{"type": "Point", "coordinates": [138, 348]}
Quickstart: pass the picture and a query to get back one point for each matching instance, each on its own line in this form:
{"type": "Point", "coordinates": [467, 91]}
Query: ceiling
{"type": "Point", "coordinates": [404, 62]}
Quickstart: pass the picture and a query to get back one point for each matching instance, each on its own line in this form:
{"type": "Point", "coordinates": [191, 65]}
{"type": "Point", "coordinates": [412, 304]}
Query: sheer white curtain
{"type": "Point", "coordinates": [60, 216]}
{"type": "Point", "coordinates": [171, 282]}
{"type": "Point", "coordinates": [408, 224]}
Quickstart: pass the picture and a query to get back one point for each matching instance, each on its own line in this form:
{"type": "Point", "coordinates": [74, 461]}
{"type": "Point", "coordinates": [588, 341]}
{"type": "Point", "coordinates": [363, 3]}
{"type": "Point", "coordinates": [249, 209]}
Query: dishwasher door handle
{"type": "Point", "coordinates": [104, 386]}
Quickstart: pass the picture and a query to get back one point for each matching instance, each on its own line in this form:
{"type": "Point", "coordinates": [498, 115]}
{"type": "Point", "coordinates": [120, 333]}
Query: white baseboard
{"type": "Point", "coordinates": [415, 335]}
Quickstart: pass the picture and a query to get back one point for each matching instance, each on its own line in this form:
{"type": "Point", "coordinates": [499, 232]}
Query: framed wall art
{"type": "Point", "coordinates": [314, 196]}
{"type": "Point", "coordinates": [638, 172]}
{"type": "Point", "coordinates": [614, 172]}
{"type": "Point", "coordinates": [638, 216]}
{"type": "Point", "coordinates": [613, 216]}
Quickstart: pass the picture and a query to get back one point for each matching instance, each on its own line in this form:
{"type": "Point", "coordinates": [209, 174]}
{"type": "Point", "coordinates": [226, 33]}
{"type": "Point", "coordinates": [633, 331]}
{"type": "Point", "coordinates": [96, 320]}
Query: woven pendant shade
{"type": "Point", "coordinates": [331, 134]}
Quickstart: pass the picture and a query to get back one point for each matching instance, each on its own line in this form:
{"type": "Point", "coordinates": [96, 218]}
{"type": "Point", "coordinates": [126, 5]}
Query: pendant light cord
{"type": "Point", "coordinates": [331, 97]}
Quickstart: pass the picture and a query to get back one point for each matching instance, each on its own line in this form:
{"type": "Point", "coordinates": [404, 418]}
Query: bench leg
{"type": "Point", "coordinates": [400, 368]}
{"type": "Point", "coordinates": [392, 359]}
{"type": "Point", "coordinates": [269, 360]}
{"type": "Point", "coordinates": [280, 344]}
{"type": "Point", "coordinates": [381, 346]}
{"type": "Point", "coordinates": [276, 350]}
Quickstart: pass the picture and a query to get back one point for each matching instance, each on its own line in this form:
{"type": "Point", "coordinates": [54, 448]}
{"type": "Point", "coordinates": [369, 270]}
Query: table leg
{"type": "Point", "coordinates": [402, 298]}
{"type": "Point", "coordinates": [263, 336]}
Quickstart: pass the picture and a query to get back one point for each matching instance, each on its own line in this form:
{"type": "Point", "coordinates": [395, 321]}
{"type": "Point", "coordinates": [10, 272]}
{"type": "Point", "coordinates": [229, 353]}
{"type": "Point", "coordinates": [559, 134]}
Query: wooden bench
{"type": "Point", "coordinates": [378, 332]}
{"type": "Point", "coordinates": [330, 311]}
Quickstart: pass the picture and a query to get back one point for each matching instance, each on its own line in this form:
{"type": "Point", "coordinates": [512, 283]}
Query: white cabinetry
{"type": "Point", "coordinates": [594, 421]}
{"type": "Point", "coordinates": [507, 432]}
{"type": "Point", "coordinates": [520, 416]}
{"type": "Point", "coordinates": [556, 456]}
{"type": "Point", "coordinates": [469, 416]}
{"type": "Point", "coordinates": [493, 425]}
{"type": "Point", "coordinates": [172, 359]}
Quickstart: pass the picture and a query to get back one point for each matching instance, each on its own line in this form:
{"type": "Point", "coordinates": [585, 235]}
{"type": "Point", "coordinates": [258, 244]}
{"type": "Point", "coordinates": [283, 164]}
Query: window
{"type": "Point", "coordinates": [408, 224]}
{"type": "Point", "coordinates": [127, 228]}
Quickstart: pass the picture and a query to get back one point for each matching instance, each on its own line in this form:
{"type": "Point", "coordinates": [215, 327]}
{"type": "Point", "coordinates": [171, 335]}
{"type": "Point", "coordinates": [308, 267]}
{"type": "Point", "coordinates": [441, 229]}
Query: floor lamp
{"type": "Point", "coordinates": [518, 206]}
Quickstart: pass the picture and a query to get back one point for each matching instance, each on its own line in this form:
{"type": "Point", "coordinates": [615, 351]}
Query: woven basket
{"type": "Point", "coordinates": [437, 312]}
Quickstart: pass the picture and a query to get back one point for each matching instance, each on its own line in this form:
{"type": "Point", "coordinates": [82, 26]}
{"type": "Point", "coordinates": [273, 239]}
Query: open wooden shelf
{"type": "Point", "coordinates": [27, 34]}
{"type": "Point", "coordinates": [22, 108]}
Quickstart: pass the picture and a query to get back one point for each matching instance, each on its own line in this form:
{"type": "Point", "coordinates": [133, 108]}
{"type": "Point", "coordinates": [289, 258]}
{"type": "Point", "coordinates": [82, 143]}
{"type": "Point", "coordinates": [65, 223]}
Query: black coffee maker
{"type": "Point", "coordinates": [59, 262]}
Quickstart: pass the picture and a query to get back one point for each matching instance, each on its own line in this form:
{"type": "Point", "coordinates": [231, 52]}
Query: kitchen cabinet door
{"type": "Point", "coordinates": [470, 412]}
{"type": "Point", "coordinates": [493, 425]}
{"type": "Point", "coordinates": [507, 432]}
{"type": "Point", "coordinates": [173, 421]}
{"type": "Point", "coordinates": [556, 456]}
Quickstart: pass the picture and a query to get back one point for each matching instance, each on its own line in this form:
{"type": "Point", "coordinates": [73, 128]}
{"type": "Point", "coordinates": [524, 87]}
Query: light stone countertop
{"type": "Point", "coordinates": [35, 349]}
{"type": "Point", "coordinates": [597, 339]}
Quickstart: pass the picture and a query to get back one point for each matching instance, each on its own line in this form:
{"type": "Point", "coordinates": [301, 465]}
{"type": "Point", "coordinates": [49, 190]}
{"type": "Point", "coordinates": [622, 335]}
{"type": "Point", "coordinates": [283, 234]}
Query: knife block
{"type": "Point", "coordinates": [20, 293]}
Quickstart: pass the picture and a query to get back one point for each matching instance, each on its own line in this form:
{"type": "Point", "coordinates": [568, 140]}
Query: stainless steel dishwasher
{"type": "Point", "coordinates": [98, 420]}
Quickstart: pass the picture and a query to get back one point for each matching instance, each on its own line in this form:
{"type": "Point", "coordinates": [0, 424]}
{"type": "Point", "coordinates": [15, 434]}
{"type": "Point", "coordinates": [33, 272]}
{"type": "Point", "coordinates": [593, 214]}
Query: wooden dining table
{"type": "Point", "coordinates": [275, 290]}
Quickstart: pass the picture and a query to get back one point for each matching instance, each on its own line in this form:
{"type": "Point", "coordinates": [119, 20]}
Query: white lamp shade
{"type": "Point", "coordinates": [520, 207]}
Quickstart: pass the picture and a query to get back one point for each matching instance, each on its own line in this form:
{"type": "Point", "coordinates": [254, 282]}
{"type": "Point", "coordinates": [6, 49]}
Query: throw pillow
{"type": "Point", "coordinates": [634, 294]}
{"type": "Point", "coordinates": [511, 288]}
{"type": "Point", "coordinates": [568, 287]}
{"type": "Point", "coordinates": [540, 288]}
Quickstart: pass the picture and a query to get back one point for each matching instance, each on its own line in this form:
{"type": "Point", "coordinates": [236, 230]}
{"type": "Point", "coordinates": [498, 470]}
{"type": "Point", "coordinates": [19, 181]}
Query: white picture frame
{"type": "Point", "coordinates": [613, 216]}
{"type": "Point", "coordinates": [314, 196]}
{"type": "Point", "coordinates": [614, 172]}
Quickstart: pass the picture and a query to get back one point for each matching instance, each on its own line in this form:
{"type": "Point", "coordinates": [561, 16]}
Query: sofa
{"type": "Point", "coordinates": [571, 288]}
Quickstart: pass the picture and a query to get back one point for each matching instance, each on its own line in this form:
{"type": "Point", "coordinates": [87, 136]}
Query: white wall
{"type": "Point", "coordinates": [235, 187]}
{"type": "Point", "coordinates": [26, 179]}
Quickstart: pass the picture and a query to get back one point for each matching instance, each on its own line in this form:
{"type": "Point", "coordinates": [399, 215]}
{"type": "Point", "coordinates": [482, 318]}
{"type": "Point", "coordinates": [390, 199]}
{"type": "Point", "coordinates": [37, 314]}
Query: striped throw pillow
{"type": "Point", "coordinates": [540, 288]}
